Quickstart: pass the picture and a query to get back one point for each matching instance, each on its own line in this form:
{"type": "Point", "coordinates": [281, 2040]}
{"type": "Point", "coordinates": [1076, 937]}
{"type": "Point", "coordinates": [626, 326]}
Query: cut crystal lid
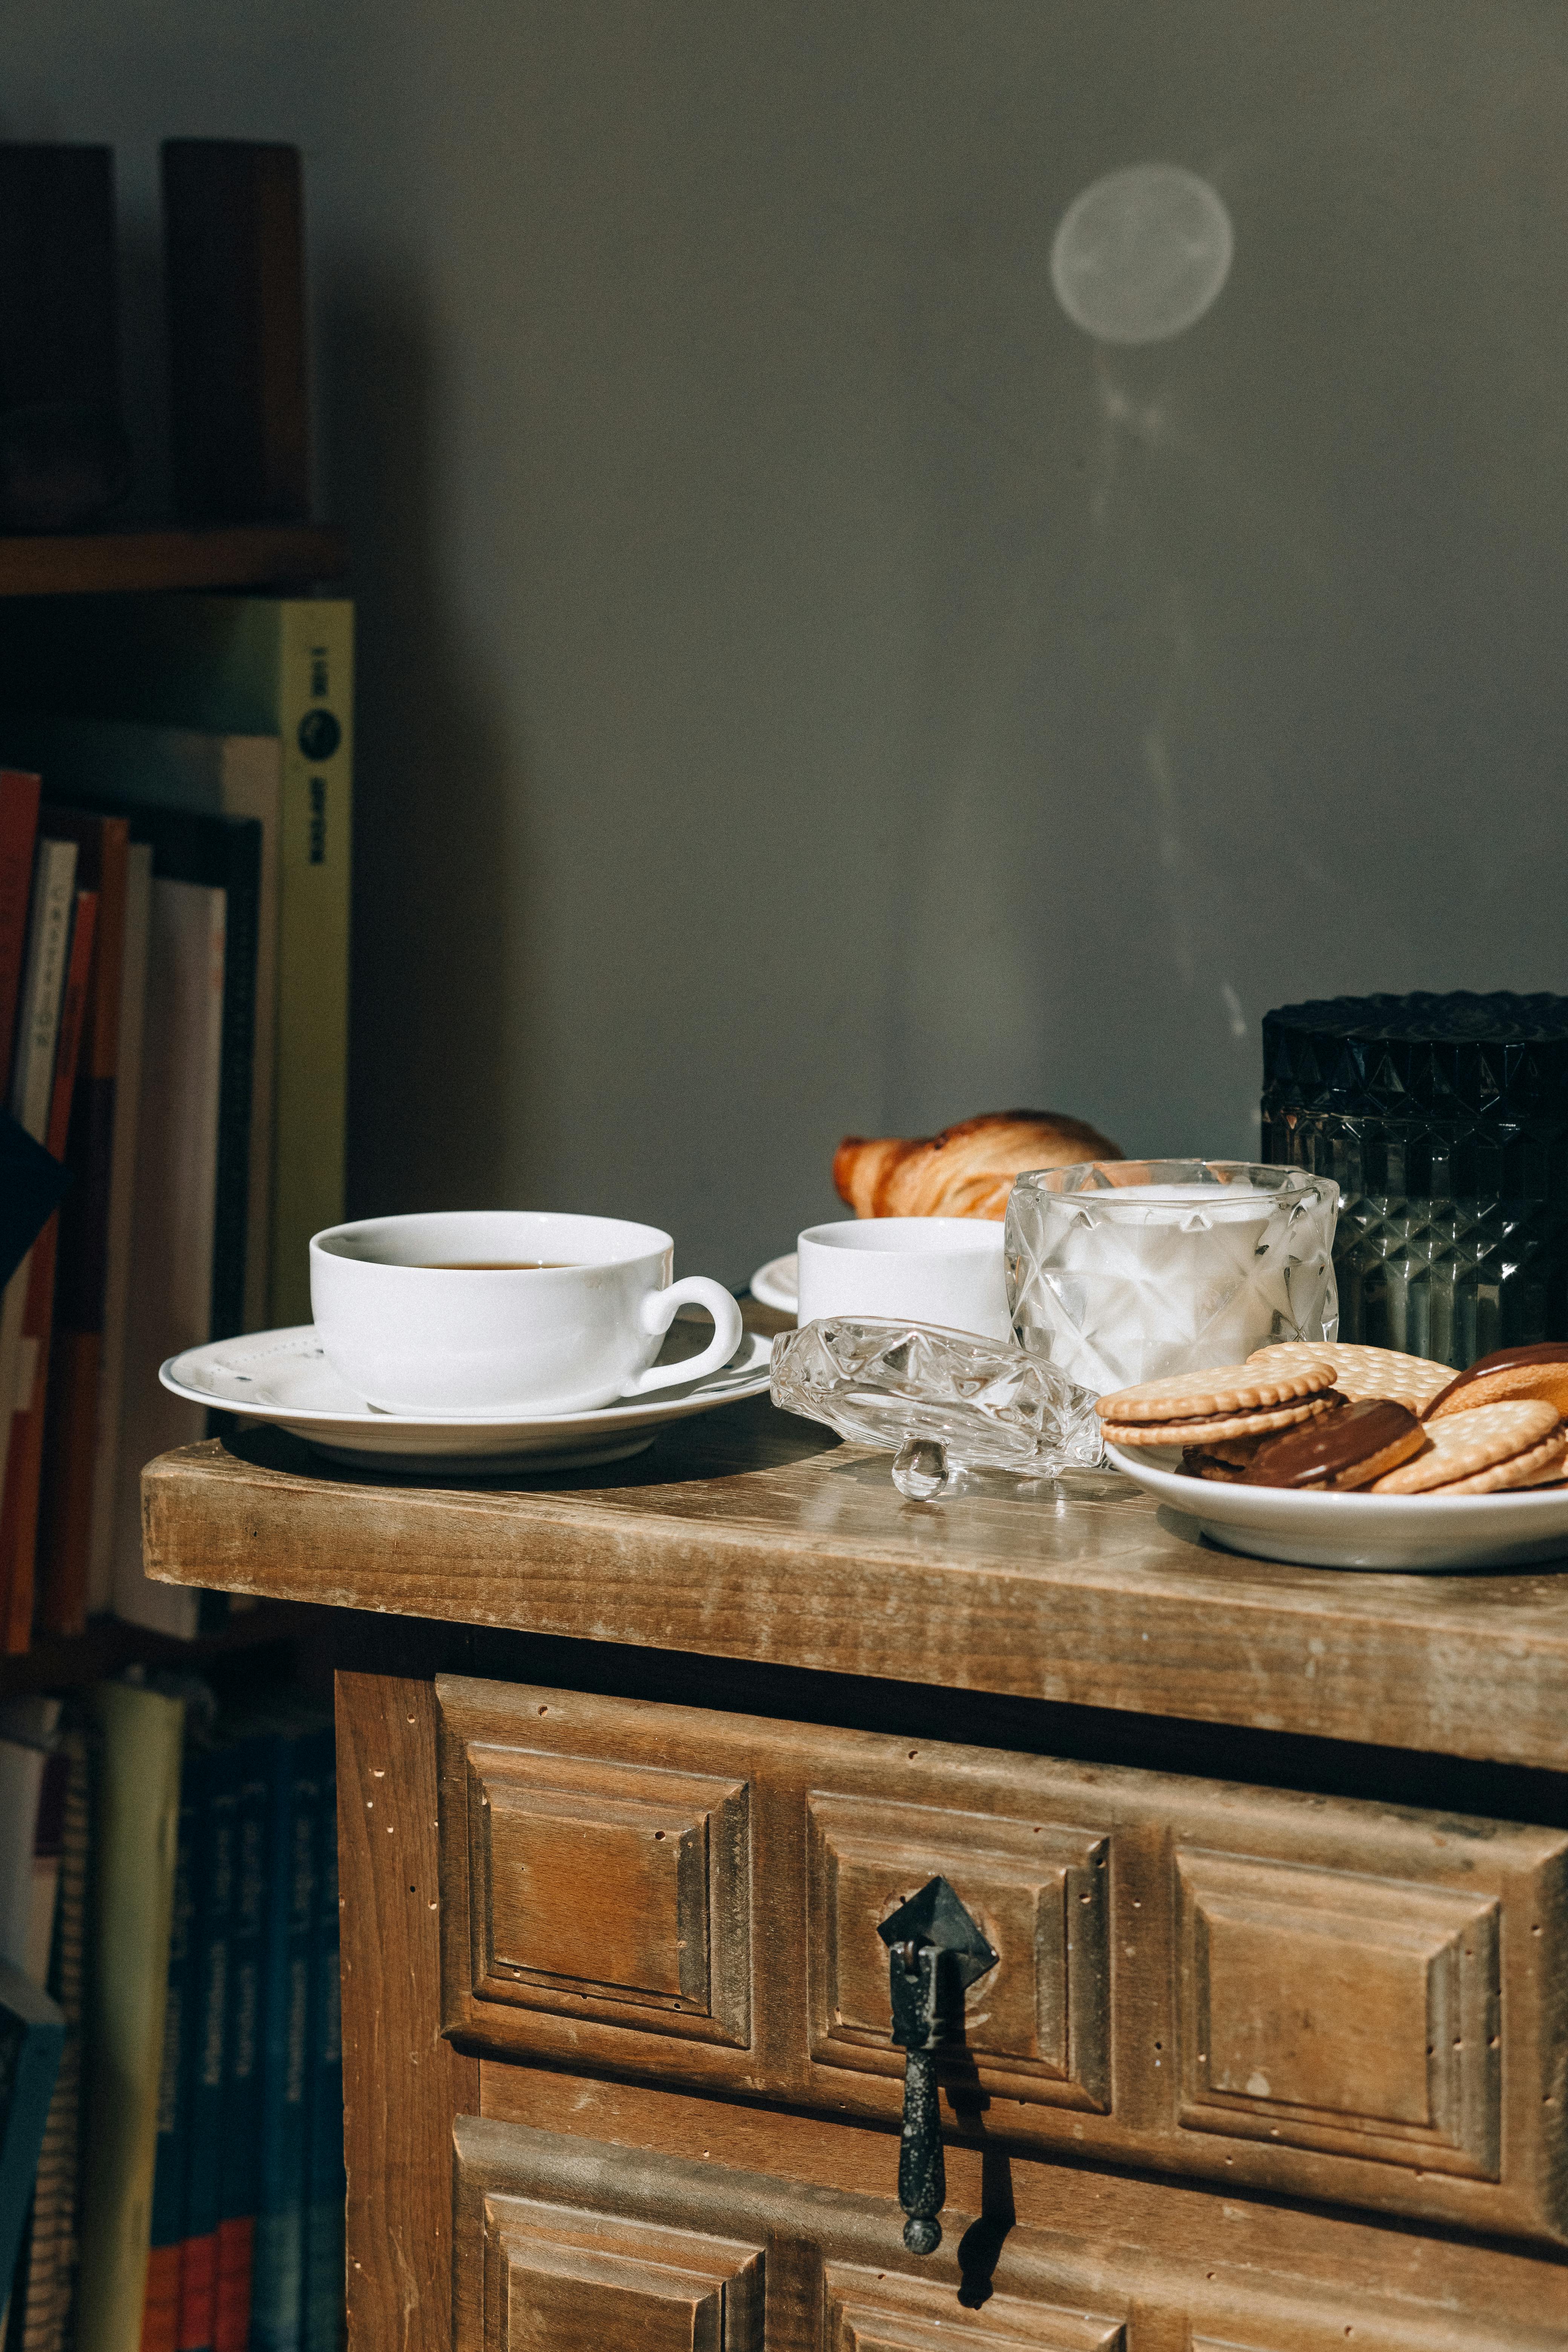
{"type": "Point", "coordinates": [1501, 1057]}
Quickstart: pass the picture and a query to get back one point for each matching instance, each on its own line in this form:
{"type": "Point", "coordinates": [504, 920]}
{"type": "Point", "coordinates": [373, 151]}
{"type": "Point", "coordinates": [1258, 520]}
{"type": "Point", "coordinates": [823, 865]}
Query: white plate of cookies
{"type": "Point", "coordinates": [1336, 1456]}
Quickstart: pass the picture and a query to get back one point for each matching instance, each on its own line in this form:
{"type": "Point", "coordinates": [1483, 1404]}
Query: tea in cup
{"type": "Point", "coordinates": [490, 1314]}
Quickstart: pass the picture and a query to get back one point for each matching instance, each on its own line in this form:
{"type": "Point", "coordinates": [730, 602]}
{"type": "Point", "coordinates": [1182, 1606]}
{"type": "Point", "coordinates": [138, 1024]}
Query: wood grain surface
{"type": "Point", "coordinates": [1026, 2246]}
{"type": "Point", "coordinates": [749, 1535]}
{"type": "Point", "coordinates": [403, 2084]}
{"type": "Point", "coordinates": [122, 562]}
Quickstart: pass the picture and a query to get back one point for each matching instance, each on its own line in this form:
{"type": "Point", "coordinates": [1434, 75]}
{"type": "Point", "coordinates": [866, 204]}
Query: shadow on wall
{"type": "Point", "coordinates": [437, 796]}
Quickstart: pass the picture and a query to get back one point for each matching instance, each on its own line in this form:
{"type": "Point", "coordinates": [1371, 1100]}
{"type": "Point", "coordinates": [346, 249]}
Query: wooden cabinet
{"type": "Point", "coordinates": [1327, 1998]}
{"type": "Point", "coordinates": [1274, 2054]}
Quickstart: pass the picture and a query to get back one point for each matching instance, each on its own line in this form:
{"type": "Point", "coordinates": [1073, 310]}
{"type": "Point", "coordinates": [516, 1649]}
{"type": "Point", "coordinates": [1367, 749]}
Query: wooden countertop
{"type": "Point", "coordinates": [749, 1535]}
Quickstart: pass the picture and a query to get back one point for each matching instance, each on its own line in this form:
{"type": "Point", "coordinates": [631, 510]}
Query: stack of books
{"type": "Point", "coordinates": [174, 866]}
{"type": "Point", "coordinates": [170, 2167]}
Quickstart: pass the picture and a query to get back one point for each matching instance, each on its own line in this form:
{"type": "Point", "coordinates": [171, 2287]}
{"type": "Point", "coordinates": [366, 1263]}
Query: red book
{"type": "Point", "coordinates": [18, 830]}
{"type": "Point", "coordinates": [235, 2255]}
{"type": "Point", "coordinates": [19, 1511]}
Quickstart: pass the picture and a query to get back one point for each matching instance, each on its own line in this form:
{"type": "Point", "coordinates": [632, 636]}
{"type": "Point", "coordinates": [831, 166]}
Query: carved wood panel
{"type": "Point", "coordinates": [557, 2281]}
{"type": "Point", "coordinates": [1041, 1897]}
{"type": "Point", "coordinates": [599, 1887]}
{"type": "Point", "coordinates": [1327, 2009]}
{"type": "Point", "coordinates": [1313, 1998]}
{"type": "Point", "coordinates": [871, 2311]}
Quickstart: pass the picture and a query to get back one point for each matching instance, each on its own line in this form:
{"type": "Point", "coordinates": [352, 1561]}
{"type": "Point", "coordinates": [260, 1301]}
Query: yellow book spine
{"type": "Point", "coordinates": [315, 721]}
{"type": "Point", "coordinates": [134, 1831]}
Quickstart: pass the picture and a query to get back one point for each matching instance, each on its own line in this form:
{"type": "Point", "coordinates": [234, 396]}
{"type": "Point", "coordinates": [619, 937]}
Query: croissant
{"type": "Point", "coordinates": [966, 1171]}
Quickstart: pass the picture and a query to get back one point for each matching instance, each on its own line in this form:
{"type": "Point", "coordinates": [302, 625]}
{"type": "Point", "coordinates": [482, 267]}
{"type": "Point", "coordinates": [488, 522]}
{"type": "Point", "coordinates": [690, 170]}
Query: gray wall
{"type": "Point", "coordinates": [810, 685]}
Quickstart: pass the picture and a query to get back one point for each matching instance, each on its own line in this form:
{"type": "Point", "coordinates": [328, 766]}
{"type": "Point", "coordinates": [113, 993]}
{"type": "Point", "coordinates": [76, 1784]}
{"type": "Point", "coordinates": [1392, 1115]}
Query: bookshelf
{"type": "Point", "coordinates": [126, 562]}
{"type": "Point", "coordinates": [267, 557]}
{"type": "Point", "coordinates": [175, 814]}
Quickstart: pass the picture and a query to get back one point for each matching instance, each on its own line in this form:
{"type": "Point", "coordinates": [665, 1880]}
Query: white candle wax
{"type": "Point", "coordinates": [1169, 1276]}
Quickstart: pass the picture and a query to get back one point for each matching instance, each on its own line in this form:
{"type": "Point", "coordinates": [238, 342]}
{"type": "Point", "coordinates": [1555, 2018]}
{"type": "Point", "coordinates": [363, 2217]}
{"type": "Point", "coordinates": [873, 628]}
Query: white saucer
{"type": "Point", "coordinates": [777, 1283]}
{"type": "Point", "coordinates": [282, 1378]}
{"type": "Point", "coordinates": [1422, 1533]}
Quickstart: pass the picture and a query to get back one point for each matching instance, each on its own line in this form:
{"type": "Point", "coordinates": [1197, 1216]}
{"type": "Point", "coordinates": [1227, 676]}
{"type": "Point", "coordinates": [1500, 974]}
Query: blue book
{"type": "Point", "coordinates": [208, 1990]}
{"type": "Point", "coordinates": [239, 2182]}
{"type": "Point", "coordinates": [161, 2311]}
{"type": "Point", "coordinates": [327, 2184]}
{"type": "Point", "coordinates": [32, 2034]}
{"type": "Point", "coordinates": [277, 2302]}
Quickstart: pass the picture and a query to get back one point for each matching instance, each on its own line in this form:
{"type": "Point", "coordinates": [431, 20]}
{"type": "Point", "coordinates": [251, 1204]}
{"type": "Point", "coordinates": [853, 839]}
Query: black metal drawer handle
{"type": "Point", "coordinates": [935, 1952]}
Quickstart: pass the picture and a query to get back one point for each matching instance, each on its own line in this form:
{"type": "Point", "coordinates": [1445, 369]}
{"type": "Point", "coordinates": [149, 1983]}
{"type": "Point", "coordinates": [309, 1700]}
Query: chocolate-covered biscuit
{"type": "Point", "coordinates": [1507, 1375]}
{"type": "Point", "coordinates": [1201, 1462]}
{"type": "Point", "coordinates": [1342, 1449]}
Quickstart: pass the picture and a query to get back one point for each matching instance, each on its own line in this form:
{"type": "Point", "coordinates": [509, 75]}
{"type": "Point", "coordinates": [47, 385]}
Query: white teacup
{"type": "Point", "coordinates": [484, 1314]}
{"type": "Point", "coordinates": [945, 1270]}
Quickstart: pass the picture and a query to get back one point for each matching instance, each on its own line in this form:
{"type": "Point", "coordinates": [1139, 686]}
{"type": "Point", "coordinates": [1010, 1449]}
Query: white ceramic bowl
{"type": "Point", "coordinates": [1426, 1534]}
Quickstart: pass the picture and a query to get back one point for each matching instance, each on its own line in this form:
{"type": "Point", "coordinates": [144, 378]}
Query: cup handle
{"type": "Point", "coordinates": [657, 1314]}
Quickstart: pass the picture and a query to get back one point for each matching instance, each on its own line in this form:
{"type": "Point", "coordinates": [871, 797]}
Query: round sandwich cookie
{"type": "Point", "coordinates": [1202, 1432]}
{"type": "Point", "coordinates": [1352, 1448]}
{"type": "Point", "coordinates": [1361, 1371]}
{"type": "Point", "coordinates": [1223, 1390]}
{"type": "Point", "coordinates": [1478, 1452]}
{"type": "Point", "coordinates": [1539, 1373]}
{"type": "Point", "coordinates": [1227, 1400]}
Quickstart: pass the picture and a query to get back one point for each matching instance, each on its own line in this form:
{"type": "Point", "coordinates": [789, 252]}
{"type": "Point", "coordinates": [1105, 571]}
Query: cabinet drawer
{"type": "Point", "coordinates": [572, 2244]}
{"type": "Point", "coordinates": [1318, 1997]}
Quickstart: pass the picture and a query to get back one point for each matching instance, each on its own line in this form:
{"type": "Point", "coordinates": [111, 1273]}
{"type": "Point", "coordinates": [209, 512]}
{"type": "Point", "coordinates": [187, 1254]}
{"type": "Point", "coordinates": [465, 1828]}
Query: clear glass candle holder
{"type": "Point", "coordinates": [1119, 1271]}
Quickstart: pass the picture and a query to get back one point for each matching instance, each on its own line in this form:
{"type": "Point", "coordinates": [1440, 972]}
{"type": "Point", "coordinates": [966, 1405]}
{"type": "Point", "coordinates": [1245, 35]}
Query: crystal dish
{"type": "Point", "coordinates": [1123, 1271]}
{"type": "Point", "coordinates": [942, 1401]}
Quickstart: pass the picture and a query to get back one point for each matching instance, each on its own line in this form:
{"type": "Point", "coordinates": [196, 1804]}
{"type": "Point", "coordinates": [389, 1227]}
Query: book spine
{"type": "Point", "coordinates": [243, 884]}
{"type": "Point", "coordinates": [43, 983]}
{"type": "Point", "coordinates": [19, 797]}
{"type": "Point", "coordinates": [276, 2310]}
{"type": "Point", "coordinates": [31, 2035]}
{"type": "Point", "coordinates": [32, 1075]}
{"type": "Point", "coordinates": [160, 2307]}
{"type": "Point", "coordinates": [76, 1348]}
{"type": "Point", "coordinates": [176, 1160]}
{"type": "Point", "coordinates": [315, 722]}
{"type": "Point", "coordinates": [48, 2290]}
{"type": "Point", "coordinates": [252, 784]}
{"type": "Point", "coordinates": [25, 1451]}
{"type": "Point", "coordinates": [48, 1848]}
{"type": "Point", "coordinates": [324, 2208]}
{"type": "Point", "coordinates": [122, 1205]}
{"type": "Point", "coordinates": [257, 1764]}
{"type": "Point", "coordinates": [21, 1793]}
{"type": "Point", "coordinates": [133, 1887]}
{"type": "Point", "coordinates": [209, 1979]}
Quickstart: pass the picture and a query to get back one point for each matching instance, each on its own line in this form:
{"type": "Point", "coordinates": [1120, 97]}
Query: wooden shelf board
{"type": "Point", "coordinates": [113, 563]}
{"type": "Point", "coordinates": [61, 1662]}
{"type": "Point", "coordinates": [749, 1535]}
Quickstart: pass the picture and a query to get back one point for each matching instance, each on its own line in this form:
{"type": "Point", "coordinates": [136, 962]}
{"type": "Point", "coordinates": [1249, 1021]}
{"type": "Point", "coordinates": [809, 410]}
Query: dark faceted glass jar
{"type": "Point", "coordinates": [1444, 1120]}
